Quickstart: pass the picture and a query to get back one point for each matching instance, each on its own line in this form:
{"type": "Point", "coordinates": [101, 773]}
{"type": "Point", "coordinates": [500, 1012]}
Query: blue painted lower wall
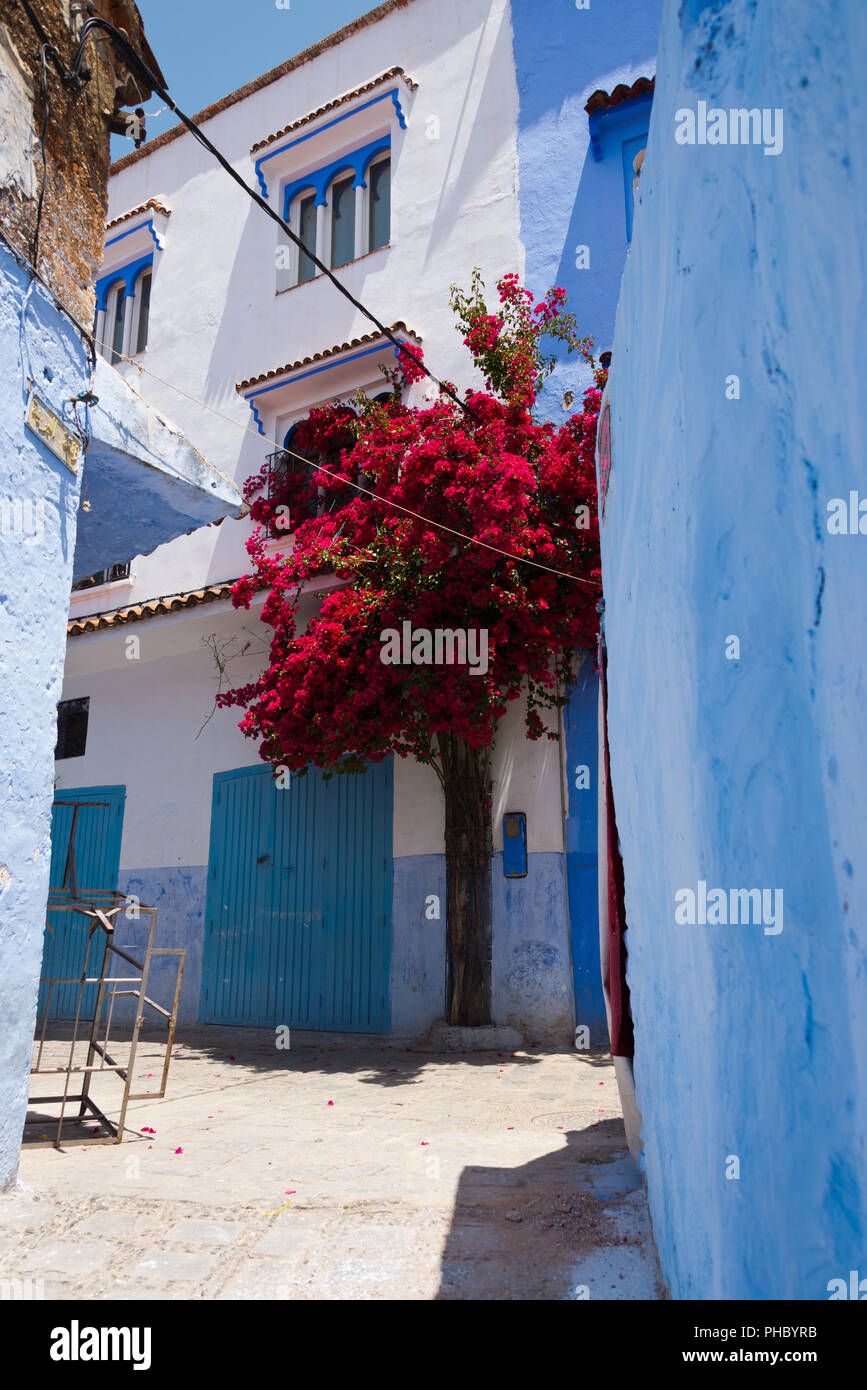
{"type": "Point", "coordinates": [418, 943]}
{"type": "Point", "coordinates": [531, 966]}
{"type": "Point", "coordinates": [531, 985]}
{"type": "Point", "coordinates": [179, 896]}
{"type": "Point", "coordinates": [38, 502]}
{"type": "Point", "coordinates": [531, 963]}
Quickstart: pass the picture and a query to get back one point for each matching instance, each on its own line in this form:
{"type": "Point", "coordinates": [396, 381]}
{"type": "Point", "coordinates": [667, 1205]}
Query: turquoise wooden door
{"type": "Point", "coordinates": [99, 824]}
{"type": "Point", "coordinates": [298, 927]}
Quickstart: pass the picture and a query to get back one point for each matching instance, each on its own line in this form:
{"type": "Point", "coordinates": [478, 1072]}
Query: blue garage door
{"type": "Point", "coordinates": [98, 827]}
{"type": "Point", "coordinates": [298, 925]}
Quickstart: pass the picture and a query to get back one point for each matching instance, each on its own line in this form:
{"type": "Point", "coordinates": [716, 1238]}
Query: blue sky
{"type": "Point", "coordinates": [207, 48]}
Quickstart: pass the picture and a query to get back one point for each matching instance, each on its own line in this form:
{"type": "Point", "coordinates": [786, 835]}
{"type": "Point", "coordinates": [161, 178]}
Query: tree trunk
{"type": "Point", "coordinates": [469, 847]}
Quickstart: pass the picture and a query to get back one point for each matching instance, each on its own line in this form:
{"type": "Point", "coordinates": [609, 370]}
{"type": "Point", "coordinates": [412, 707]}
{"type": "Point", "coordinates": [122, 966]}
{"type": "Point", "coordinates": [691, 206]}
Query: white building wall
{"type": "Point", "coordinates": [216, 318]}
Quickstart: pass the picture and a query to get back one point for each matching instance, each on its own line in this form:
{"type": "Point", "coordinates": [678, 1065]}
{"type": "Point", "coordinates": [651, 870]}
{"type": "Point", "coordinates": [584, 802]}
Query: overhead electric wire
{"type": "Point", "coordinates": [93, 344]}
{"type": "Point", "coordinates": [340, 477]}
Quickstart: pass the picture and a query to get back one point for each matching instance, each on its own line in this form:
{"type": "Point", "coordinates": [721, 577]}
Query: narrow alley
{"type": "Point", "coordinates": [331, 1171]}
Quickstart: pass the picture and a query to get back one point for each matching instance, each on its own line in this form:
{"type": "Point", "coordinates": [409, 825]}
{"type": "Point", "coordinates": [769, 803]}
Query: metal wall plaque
{"type": "Point", "coordinates": [49, 427]}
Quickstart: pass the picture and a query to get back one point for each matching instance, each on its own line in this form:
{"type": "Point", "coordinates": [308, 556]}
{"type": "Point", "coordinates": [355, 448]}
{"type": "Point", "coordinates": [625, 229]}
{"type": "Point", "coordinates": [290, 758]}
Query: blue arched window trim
{"type": "Point", "coordinates": [127, 275]}
{"type": "Point", "coordinates": [309, 135]}
{"type": "Point", "coordinates": [347, 167]}
{"type": "Point", "coordinates": [318, 182]}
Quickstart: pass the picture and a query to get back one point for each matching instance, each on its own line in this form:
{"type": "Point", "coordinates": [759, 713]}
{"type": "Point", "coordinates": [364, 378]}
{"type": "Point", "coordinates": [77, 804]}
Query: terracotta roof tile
{"type": "Point", "coordinates": [259, 82]}
{"type": "Point", "coordinates": [603, 101]}
{"type": "Point", "coordinates": [399, 327]}
{"type": "Point", "coordinates": [331, 105]}
{"type": "Point", "coordinates": [152, 204]}
{"type": "Point", "coordinates": [150, 608]}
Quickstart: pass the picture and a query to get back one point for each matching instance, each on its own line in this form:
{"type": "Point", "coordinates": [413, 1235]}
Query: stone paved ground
{"type": "Point", "coordinates": [335, 1171]}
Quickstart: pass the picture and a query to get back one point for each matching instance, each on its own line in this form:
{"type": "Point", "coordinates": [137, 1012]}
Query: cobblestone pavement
{"type": "Point", "coordinates": [338, 1170]}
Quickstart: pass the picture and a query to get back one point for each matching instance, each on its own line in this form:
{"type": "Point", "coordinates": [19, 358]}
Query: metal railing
{"type": "Point", "coordinates": [99, 908]}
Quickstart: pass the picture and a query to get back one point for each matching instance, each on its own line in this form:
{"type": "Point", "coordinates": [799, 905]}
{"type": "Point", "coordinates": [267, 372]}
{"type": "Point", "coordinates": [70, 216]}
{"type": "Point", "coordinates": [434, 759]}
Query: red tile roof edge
{"type": "Point", "coordinates": [332, 105]}
{"type": "Point", "coordinates": [152, 204]}
{"type": "Point", "coordinates": [604, 101]}
{"type": "Point", "coordinates": [399, 327]}
{"type": "Point", "coordinates": [149, 608]}
{"type": "Point", "coordinates": [257, 83]}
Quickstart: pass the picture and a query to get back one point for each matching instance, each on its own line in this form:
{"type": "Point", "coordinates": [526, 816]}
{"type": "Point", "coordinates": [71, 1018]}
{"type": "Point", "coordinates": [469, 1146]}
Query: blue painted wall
{"type": "Point", "coordinates": [530, 968]}
{"type": "Point", "coordinates": [169, 487]}
{"type": "Point", "coordinates": [36, 341]}
{"type": "Point", "coordinates": [179, 895]}
{"type": "Point", "coordinates": [746, 772]}
{"type": "Point", "coordinates": [530, 958]}
{"type": "Point", "coordinates": [566, 197]}
{"type": "Point", "coordinates": [569, 199]}
{"type": "Point", "coordinates": [418, 943]}
{"type": "Point", "coordinates": [582, 858]}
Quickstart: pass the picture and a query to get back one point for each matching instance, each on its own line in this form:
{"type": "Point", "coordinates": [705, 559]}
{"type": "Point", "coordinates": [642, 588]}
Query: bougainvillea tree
{"type": "Point", "coordinates": [444, 524]}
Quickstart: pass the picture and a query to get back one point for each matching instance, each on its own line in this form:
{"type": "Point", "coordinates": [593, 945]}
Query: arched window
{"type": "Point", "coordinates": [306, 479]}
{"type": "Point", "coordinates": [379, 204]}
{"type": "Point", "coordinates": [335, 495]}
{"type": "Point", "coordinates": [292, 463]}
{"type": "Point", "coordinates": [337, 213]}
{"type": "Point", "coordinates": [306, 229]}
{"type": "Point", "coordinates": [123, 299]}
{"type": "Point", "coordinates": [142, 309]}
{"type": "Point", "coordinates": [342, 200]}
{"type": "Point", "coordinates": [115, 321]}
{"type": "Point", "coordinates": [293, 478]}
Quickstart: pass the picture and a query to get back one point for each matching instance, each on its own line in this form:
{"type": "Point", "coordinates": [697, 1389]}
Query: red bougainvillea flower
{"type": "Point", "coordinates": [427, 516]}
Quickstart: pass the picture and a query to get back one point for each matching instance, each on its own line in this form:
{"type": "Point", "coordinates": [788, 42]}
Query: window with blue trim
{"type": "Point", "coordinates": [123, 299]}
{"type": "Point", "coordinates": [340, 212]}
{"type": "Point", "coordinates": [628, 150]}
{"type": "Point", "coordinates": [379, 203]}
{"type": "Point", "coordinates": [306, 481]}
{"type": "Point", "coordinates": [620, 132]}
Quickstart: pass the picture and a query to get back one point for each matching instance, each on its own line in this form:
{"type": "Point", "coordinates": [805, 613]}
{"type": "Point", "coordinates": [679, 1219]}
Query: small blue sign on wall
{"type": "Point", "coordinates": [515, 844]}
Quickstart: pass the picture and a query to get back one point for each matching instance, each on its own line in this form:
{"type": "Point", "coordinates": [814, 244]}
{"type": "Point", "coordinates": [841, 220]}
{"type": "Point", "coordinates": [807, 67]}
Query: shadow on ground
{"type": "Point", "coordinates": [536, 1231]}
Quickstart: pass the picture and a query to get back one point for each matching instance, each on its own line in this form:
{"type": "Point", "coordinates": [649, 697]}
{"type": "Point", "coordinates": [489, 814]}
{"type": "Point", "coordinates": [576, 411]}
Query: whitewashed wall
{"type": "Point", "coordinates": [216, 318]}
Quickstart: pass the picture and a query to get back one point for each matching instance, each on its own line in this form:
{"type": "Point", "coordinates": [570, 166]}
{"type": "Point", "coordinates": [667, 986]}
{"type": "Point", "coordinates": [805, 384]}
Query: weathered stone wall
{"type": "Point", "coordinates": [76, 143]}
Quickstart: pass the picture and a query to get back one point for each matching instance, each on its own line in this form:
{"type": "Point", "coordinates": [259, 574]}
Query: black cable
{"type": "Point", "coordinates": [65, 75]}
{"type": "Point", "coordinates": [129, 52]}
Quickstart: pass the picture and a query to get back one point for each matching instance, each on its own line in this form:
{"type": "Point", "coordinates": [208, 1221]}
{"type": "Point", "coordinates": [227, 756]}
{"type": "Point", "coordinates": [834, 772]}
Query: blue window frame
{"type": "Point", "coordinates": [342, 221]}
{"type": "Point", "coordinates": [629, 149]}
{"type": "Point", "coordinates": [333, 189]}
{"type": "Point", "coordinates": [621, 131]}
{"type": "Point", "coordinates": [121, 293]}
